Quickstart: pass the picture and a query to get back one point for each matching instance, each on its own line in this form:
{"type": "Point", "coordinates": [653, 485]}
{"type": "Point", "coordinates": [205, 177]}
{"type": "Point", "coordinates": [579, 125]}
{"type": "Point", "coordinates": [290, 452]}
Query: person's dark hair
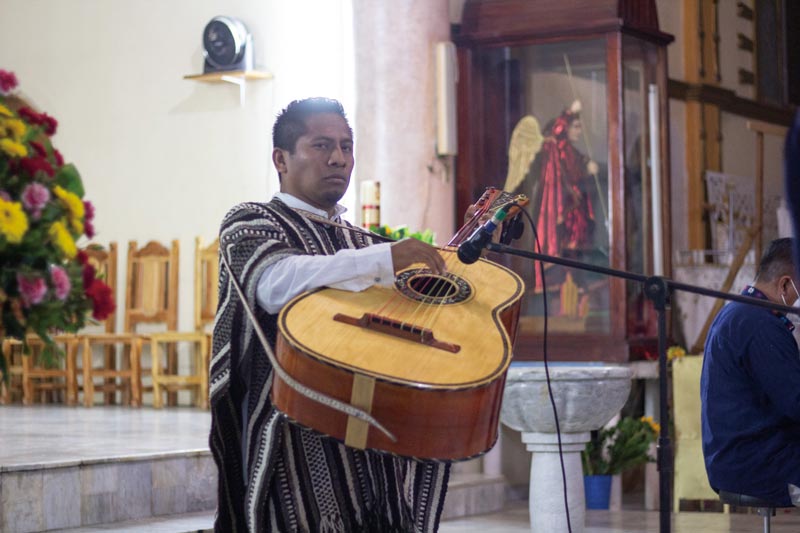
{"type": "Point", "coordinates": [291, 122]}
{"type": "Point", "coordinates": [777, 260]}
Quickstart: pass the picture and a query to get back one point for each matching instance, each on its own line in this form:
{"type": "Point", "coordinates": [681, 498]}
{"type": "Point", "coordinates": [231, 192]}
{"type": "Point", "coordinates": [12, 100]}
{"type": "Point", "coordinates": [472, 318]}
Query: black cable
{"type": "Point", "coordinates": [547, 370]}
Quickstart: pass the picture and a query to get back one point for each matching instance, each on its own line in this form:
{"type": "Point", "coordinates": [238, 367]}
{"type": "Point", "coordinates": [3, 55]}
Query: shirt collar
{"type": "Point", "coordinates": [296, 203]}
{"type": "Point", "coordinates": [755, 293]}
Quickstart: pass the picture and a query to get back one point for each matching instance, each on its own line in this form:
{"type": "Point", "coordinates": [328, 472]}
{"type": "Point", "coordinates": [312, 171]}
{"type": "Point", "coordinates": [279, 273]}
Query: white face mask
{"type": "Point", "coordinates": [795, 291]}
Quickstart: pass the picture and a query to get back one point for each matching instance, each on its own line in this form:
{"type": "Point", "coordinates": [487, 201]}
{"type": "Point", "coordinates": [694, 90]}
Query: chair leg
{"type": "Point", "coordinates": [88, 383]}
{"type": "Point", "coordinates": [136, 369]}
{"type": "Point", "coordinates": [27, 381]}
{"type": "Point", "coordinates": [203, 372]}
{"type": "Point", "coordinates": [766, 513]}
{"type": "Point", "coordinates": [72, 374]}
{"type": "Point", "coordinates": [155, 371]}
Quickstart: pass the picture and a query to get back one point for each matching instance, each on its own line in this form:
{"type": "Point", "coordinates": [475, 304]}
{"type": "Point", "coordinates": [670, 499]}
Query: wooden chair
{"type": "Point", "coordinates": [11, 384]}
{"type": "Point", "coordinates": [38, 376]}
{"type": "Point", "coordinates": [124, 377]}
{"type": "Point", "coordinates": [206, 284]}
{"type": "Point", "coordinates": [152, 286]}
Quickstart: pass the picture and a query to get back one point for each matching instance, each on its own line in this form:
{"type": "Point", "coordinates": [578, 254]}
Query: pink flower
{"type": "Point", "coordinates": [60, 281]}
{"type": "Point", "coordinates": [7, 81]}
{"type": "Point", "coordinates": [32, 289]}
{"type": "Point", "coordinates": [34, 198]}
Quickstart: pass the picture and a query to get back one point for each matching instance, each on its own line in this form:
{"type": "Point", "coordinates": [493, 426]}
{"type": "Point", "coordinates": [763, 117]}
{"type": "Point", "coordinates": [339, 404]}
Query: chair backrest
{"type": "Point", "coordinates": [105, 263]}
{"type": "Point", "coordinates": [152, 285]}
{"type": "Point", "coordinates": [206, 283]}
{"type": "Point", "coordinates": [691, 482]}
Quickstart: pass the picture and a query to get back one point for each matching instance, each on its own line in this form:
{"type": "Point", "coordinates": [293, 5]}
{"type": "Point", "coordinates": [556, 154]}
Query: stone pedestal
{"type": "Point", "coordinates": [586, 397]}
{"type": "Point", "coordinates": [546, 500]}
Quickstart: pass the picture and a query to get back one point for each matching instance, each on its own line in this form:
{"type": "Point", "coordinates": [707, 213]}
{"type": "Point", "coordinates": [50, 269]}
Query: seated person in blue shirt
{"type": "Point", "coordinates": [750, 389]}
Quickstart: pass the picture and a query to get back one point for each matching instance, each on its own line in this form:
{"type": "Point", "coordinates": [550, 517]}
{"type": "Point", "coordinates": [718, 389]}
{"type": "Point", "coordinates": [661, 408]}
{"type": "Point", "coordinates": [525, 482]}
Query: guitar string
{"type": "Point", "coordinates": [433, 299]}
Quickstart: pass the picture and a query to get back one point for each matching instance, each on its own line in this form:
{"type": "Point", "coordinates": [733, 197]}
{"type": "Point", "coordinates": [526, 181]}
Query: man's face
{"type": "Point", "coordinates": [318, 172]}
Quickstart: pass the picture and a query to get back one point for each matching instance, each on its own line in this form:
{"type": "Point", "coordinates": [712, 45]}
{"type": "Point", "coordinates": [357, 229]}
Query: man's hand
{"type": "Point", "coordinates": [592, 168]}
{"type": "Point", "coordinates": [408, 251]}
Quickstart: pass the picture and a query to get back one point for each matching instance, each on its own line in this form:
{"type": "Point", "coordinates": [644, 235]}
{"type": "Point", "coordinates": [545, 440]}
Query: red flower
{"type": "Point", "coordinates": [30, 115]}
{"type": "Point", "coordinates": [59, 158]}
{"type": "Point", "coordinates": [32, 165]}
{"type": "Point", "coordinates": [88, 273]}
{"type": "Point", "coordinates": [40, 151]}
{"type": "Point", "coordinates": [83, 258]}
{"type": "Point", "coordinates": [50, 124]}
{"type": "Point", "coordinates": [88, 228]}
{"type": "Point", "coordinates": [102, 299]}
{"type": "Point", "coordinates": [39, 119]}
{"type": "Point", "coordinates": [7, 81]}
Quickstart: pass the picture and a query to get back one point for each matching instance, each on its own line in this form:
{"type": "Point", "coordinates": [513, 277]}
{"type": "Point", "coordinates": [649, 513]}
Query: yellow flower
{"type": "Point", "coordinates": [5, 111]}
{"type": "Point", "coordinates": [655, 426]}
{"type": "Point", "coordinates": [71, 201]}
{"type": "Point", "coordinates": [675, 352]}
{"type": "Point", "coordinates": [76, 225]}
{"type": "Point", "coordinates": [16, 127]}
{"type": "Point", "coordinates": [13, 148]}
{"type": "Point", "coordinates": [13, 222]}
{"type": "Point", "coordinates": [62, 239]}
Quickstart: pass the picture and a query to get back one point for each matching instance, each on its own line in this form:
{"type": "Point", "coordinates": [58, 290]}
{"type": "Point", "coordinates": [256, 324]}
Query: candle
{"type": "Point", "coordinates": [370, 204]}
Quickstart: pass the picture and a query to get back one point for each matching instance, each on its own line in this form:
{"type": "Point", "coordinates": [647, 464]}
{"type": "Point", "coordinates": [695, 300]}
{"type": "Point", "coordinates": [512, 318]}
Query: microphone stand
{"type": "Point", "coordinates": [657, 289]}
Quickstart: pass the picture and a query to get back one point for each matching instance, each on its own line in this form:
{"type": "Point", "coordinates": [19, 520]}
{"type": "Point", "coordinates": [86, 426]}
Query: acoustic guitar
{"type": "Point", "coordinates": [426, 358]}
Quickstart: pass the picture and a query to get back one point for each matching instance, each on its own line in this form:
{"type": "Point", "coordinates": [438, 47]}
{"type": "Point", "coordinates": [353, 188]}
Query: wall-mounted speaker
{"type": "Point", "coordinates": [446, 79]}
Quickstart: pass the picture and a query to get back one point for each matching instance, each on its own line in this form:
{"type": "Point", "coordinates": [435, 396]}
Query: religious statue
{"type": "Point", "coordinates": [559, 180]}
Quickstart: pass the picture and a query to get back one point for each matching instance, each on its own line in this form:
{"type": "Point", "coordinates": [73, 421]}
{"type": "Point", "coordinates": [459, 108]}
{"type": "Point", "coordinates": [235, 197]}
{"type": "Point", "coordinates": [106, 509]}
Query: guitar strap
{"type": "Point", "coordinates": [315, 217]}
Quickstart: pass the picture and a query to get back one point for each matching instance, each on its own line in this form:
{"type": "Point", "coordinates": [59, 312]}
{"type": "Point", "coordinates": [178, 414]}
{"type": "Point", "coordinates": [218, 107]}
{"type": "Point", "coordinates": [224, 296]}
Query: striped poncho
{"type": "Point", "coordinates": [273, 475]}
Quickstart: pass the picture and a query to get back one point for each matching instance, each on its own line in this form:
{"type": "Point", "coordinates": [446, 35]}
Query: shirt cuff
{"type": "Point", "coordinates": [376, 261]}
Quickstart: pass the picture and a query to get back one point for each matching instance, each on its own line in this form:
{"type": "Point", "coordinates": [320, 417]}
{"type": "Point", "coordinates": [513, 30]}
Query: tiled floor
{"type": "Point", "coordinates": [70, 436]}
{"type": "Point", "coordinates": [514, 519]}
{"type": "Point", "coordinates": [32, 435]}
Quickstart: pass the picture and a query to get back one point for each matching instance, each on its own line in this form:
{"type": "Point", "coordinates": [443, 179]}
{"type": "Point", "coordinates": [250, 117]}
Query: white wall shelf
{"type": "Point", "coordinates": [237, 77]}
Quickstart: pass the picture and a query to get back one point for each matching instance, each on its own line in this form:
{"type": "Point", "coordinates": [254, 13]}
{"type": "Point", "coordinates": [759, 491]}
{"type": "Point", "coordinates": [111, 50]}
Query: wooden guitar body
{"type": "Point", "coordinates": [430, 367]}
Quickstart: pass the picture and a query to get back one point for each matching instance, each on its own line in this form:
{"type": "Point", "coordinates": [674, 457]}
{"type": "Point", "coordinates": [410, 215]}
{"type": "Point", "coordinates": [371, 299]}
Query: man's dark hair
{"type": "Point", "coordinates": [291, 122]}
{"type": "Point", "coordinates": [777, 260]}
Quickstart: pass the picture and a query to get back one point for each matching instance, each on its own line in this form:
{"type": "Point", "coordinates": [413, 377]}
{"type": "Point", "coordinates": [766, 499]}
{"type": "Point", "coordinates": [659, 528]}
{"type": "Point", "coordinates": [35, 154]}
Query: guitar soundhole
{"type": "Point", "coordinates": [422, 286]}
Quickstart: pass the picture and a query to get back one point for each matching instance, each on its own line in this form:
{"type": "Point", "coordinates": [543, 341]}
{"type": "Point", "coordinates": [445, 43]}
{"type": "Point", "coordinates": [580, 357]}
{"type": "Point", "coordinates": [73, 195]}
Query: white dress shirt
{"type": "Point", "coordinates": [349, 269]}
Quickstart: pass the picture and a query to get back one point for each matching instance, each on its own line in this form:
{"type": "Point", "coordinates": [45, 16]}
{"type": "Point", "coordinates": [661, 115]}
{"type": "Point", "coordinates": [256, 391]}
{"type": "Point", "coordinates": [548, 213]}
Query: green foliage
{"type": "Point", "coordinates": [401, 232]}
{"type": "Point", "coordinates": [620, 447]}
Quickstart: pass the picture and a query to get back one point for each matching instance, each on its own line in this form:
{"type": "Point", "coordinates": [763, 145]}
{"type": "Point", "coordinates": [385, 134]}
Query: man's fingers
{"type": "Point", "coordinates": [409, 251]}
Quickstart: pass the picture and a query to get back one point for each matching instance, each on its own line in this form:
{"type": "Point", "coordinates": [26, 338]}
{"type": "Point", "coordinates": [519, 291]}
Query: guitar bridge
{"type": "Point", "coordinates": [396, 328]}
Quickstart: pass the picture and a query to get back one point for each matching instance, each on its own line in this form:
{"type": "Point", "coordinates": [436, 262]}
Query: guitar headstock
{"type": "Point", "coordinates": [491, 201]}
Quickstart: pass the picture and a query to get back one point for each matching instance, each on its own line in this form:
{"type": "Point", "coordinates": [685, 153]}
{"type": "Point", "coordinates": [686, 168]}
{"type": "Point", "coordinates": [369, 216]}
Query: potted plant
{"type": "Point", "coordinates": [613, 450]}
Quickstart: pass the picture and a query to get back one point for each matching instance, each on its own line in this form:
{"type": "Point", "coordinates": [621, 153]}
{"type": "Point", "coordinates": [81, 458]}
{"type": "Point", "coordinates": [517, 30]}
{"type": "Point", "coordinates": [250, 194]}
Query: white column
{"type": "Point", "coordinates": [546, 499]}
{"type": "Point", "coordinates": [395, 119]}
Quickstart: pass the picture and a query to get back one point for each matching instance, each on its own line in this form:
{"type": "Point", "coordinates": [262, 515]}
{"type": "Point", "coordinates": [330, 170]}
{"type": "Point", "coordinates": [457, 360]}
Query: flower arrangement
{"type": "Point", "coordinates": [46, 282]}
{"type": "Point", "coordinates": [620, 447]}
{"type": "Point", "coordinates": [401, 232]}
{"type": "Point", "coordinates": [675, 352]}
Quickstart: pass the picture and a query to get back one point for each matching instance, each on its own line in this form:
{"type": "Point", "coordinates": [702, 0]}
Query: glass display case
{"type": "Point", "coordinates": [553, 103]}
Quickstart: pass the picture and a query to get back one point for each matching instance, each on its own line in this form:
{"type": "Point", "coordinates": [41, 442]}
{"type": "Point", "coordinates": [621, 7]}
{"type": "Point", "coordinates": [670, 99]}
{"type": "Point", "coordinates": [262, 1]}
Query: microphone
{"type": "Point", "coordinates": [470, 250]}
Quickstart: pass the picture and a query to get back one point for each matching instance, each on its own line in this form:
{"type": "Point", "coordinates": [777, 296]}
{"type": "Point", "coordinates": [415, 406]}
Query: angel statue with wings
{"type": "Point", "coordinates": [559, 181]}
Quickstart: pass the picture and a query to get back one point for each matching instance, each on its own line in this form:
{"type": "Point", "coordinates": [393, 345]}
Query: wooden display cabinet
{"type": "Point", "coordinates": [519, 59]}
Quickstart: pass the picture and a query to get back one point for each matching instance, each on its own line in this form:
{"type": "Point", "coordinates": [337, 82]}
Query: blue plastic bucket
{"type": "Point", "coordinates": [597, 490]}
